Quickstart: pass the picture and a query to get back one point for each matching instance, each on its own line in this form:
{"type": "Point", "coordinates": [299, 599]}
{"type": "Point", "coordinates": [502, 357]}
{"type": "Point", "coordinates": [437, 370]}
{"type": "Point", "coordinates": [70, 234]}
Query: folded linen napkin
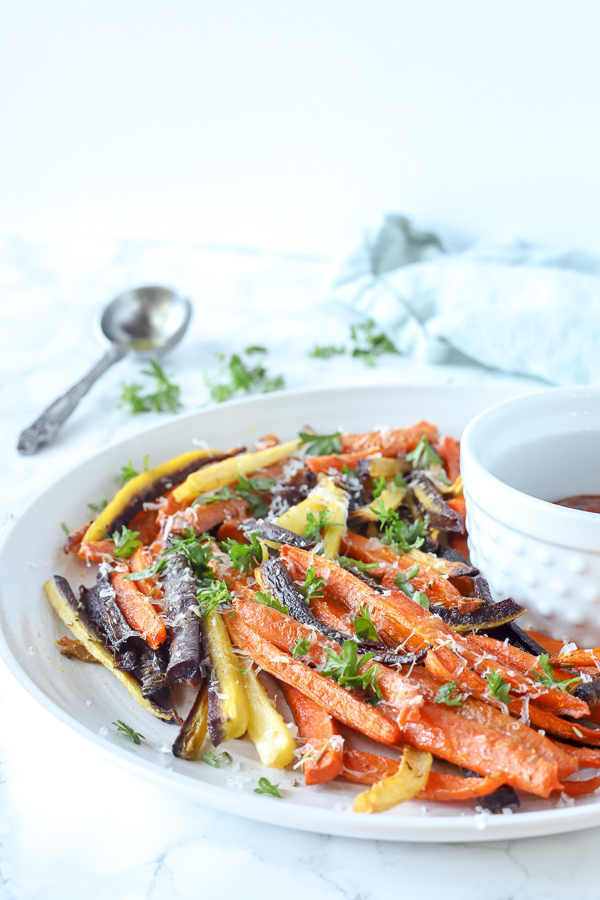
{"type": "Point", "coordinates": [518, 308]}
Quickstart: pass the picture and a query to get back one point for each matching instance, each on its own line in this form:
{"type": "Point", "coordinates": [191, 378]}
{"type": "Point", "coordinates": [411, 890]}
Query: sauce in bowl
{"type": "Point", "coordinates": [587, 502]}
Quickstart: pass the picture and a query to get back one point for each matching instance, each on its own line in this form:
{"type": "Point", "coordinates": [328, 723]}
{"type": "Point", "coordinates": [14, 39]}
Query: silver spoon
{"type": "Point", "coordinates": [148, 320]}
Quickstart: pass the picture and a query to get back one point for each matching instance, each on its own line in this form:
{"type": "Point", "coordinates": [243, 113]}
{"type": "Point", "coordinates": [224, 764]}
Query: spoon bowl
{"type": "Point", "coordinates": [146, 319]}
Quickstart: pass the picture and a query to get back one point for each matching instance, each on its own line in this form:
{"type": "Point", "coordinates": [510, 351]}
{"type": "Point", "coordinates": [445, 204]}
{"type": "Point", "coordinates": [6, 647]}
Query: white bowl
{"type": "Point", "coordinates": [516, 458]}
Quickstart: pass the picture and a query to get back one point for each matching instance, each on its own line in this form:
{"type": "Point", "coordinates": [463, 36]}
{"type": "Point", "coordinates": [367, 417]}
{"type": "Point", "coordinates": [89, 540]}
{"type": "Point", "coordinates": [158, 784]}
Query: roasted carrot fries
{"type": "Point", "coordinates": [339, 565]}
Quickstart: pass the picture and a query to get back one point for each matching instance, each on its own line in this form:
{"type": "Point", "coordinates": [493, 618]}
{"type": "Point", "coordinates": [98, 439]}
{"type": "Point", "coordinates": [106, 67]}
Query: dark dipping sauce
{"type": "Point", "coordinates": [587, 502]}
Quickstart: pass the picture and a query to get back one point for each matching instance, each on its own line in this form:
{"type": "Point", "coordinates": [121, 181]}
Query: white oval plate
{"type": "Point", "coordinates": [87, 699]}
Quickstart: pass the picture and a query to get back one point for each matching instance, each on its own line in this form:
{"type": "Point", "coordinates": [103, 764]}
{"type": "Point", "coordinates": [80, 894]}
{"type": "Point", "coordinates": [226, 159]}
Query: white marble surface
{"type": "Point", "coordinates": [72, 825]}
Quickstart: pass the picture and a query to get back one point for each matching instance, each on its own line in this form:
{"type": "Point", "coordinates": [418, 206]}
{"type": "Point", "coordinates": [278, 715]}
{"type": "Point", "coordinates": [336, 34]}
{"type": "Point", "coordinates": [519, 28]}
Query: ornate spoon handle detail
{"type": "Point", "coordinates": [43, 430]}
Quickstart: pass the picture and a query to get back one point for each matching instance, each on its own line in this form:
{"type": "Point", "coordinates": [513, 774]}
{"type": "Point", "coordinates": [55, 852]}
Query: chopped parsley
{"type": "Point", "coordinates": [399, 481]}
{"type": "Point", "coordinates": [357, 564]}
{"type": "Point", "coordinates": [65, 528]}
{"type": "Point", "coordinates": [321, 444]}
{"type": "Point", "coordinates": [423, 455]}
{"type": "Point", "coordinates": [223, 759]}
{"type": "Point", "coordinates": [396, 533]}
{"type": "Point", "coordinates": [98, 507]}
{"type": "Point", "coordinates": [366, 343]}
{"type": "Point", "coordinates": [301, 647]}
{"type": "Point", "coordinates": [265, 787]}
{"type": "Point", "coordinates": [225, 493]}
{"type": "Point", "coordinates": [128, 472]}
{"type": "Point", "coordinates": [363, 625]}
{"type": "Point", "coordinates": [212, 595]}
{"type": "Point", "coordinates": [345, 669]}
{"type": "Point", "coordinates": [164, 398]}
{"type": "Point", "coordinates": [197, 554]}
{"type": "Point", "coordinates": [238, 376]}
{"type": "Point", "coordinates": [313, 586]}
{"type": "Point", "coordinates": [350, 473]}
{"type": "Point", "coordinates": [125, 542]}
{"type": "Point", "coordinates": [498, 687]}
{"type": "Point", "coordinates": [134, 736]}
{"type": "Point", "coordinates": [251, 489]}
{"type": "Point", "coordinates": [445, 694]}
{"type": "Point", "coordinates": [379, 485]}
{"type": "Point", "coordinates": [549, 679]}
{"type": "Point", "coordinates": [326, 351]}
{"type": "Point", "coordinates": [267, 598]}
{"type": "Point", "coordinates": [402, 581]}
{"type": "Point", "coordinates": [314, 527]}
{"type": "Point", "coordinates": [244, 557]}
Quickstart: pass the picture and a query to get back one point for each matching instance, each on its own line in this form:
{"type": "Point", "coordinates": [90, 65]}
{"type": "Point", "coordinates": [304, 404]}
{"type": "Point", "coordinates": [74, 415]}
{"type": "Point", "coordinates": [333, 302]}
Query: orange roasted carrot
{"type": "Point", "coordinates": [95, 551]}
{"type": "Point", "coordinates": [459, 542]}
{"type": "Point", "coordinates": [443, 788]}
{"type": "Point", "coordinates": [480, 711]}
{"type": "Point", "coordinates": [138, 611]}
{"type": "Point", "coordinates": [578, 658]}
{"type": "Point", "coordinates": [74, 538]}
{"type": "Point", "coordinates": [323, 463]}
{"type": "Point", "coordinates": [580, 788]}
{"type": "Point", "coordinates": [585, 756]}
{"type": "Point", "coordinates": [326, 693]}
{"type": "Point", "coordinates": [268, 440]}
{"type": "Point", "coordinates": [230, 530]}
{"type": "Point", "coordinates": [206, 515]}
{"type": "Point", "coordinates": [367, 768]}
{"type": "Point", "coordinates": [284, 632]}
{"type": "Point", "coordinates": [448, 735]}
{"type": "Point", "coordinates": [437, 587]}
{"type": "Point", "coordinates": [449, 450]}
{"type": "Point", "coordinates": [389, 441]}
{"type": "Point", "coordinates": [550, 645]}
{"type": "Point", "coordinates": [145, 524]}
{"type": "Point", "coordinates": [322, 743]}
{"type": "Point", "coordinates": [142, 559]}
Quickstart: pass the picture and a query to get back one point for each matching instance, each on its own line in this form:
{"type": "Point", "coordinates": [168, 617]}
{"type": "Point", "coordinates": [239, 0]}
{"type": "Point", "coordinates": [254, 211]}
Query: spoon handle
{"type": "Point", "coordinates": [43, 430]}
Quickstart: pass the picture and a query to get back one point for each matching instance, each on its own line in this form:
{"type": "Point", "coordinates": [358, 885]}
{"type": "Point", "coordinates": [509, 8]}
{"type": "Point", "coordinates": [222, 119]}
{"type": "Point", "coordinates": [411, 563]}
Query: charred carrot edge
{"type": "Point", "coordinates": [320, 736]}
{"type": "Point", "coordinates": [74, 538]}
{"type": "Point", "coordinates": [449, 450]}
{"type": "Point", "coordinates": [459, 542]}
{"type": "Point", "coordinates": [580, 788]}
{"type": "Point", "coordinates": [578, 658]}
{"type": "Point", "coordinates": [284, 632]}
{"type": "Point", "coordinates": [141, 559]}
{"type": "Point", "coordinates": [323, 463]}
{"type": "Point", "coordinates": [458, 505]}
{"type": "Point", "coordinates": [138, 611]}
{"type": "Point", "coordinates": [326, 693]}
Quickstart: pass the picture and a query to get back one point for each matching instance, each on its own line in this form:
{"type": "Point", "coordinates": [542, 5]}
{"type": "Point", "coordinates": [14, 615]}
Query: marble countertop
{"type": "Point", "coordinates": [73, 825]}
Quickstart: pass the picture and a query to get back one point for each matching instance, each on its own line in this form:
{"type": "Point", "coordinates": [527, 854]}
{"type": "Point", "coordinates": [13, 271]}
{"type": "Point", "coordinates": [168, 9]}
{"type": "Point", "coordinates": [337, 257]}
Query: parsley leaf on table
{"type": "Point", "coordinates": [128, 472]}
{"type": "Point", "coordinates": [134, 736]}
{"type": "Point", "coordinates": [265, 787]}
{"type": "Point", "coordinates": [238, 376]}
{"type": "Point", "coordinates": [164, 398]}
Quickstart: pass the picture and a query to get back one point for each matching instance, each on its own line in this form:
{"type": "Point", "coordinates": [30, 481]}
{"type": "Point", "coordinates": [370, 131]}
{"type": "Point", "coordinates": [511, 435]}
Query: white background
{"type": "Point", "coordinates": [289, 126]}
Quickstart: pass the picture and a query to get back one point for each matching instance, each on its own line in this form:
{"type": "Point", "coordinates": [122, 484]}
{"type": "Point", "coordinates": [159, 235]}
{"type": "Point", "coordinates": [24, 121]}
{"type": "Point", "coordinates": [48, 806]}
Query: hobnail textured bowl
{"type": "Point", "coordinates": [516, 458]}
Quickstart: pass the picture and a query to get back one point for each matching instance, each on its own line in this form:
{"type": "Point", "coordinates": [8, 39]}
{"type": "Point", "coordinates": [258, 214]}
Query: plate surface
{"type": "Point", "coordinates": [87, 699]}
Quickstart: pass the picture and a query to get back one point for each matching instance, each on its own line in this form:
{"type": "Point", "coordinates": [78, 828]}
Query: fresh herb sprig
{"type": "Point", "coordinates": [125, 541]}
{"type": "Point", "coordinates": [363, 625]}
{"type": "Point", "coordinates": [195, 549]}
{"type": "Point", "coordinates": [447, 695]}
{"type": "Point", "coordinates": [251, 490]}
{"type": "Point", "coordinates": [345, 668]}
{"type": "Point", "coordinates": [164, 398]}
{"type": "Point", "coordinates": [98, 507]}
{"type": "Point", "coordinates": [212, 595]}
{"type": "Point", "coordinates": [237, 376]}
{"type": "Point", "coordinates": [244, 557]}
{"type": "Point", "coordinates": [498, 687]}
{"type": "Point", "coordinates": [321, 444]}
{"type": "Point", "coordinates": [314, 526]}
{"type": "Point", "coordinates": [301, 647]}
{"type": "Point", "coordinates": [128, 472]}
{"type": "Point", "coordinates": [223, 759]}
{"type": "Point", "coordinates": [366, 342]}
{"type": "Point", "coordinates": [313, 585]}
{"type": "Point", "coordinates": [265, 787]}
{"type": "Point", "coordinates": [548, 678]}
{"type": "Point", "coordinates": [423, 455]}
{"type": "Point", "coordinates": [134, 736]}
{"type": "Point", "coordinates": [357, 564]}
{"type": "Point", "coordinates": [402, 581]}
{"type": "Point", "coordinates": [396, 533]}
{"type": "Point", "coordinates": [267, 598]}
